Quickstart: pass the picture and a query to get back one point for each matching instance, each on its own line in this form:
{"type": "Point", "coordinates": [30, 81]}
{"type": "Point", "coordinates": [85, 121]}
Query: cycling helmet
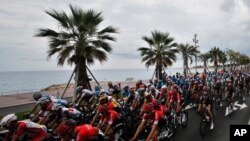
{"type": "Point", "coordinates": [152, 87]}
{"type": "Point", "coordinates": [79, 89]}
{"type": "Point", "coordinates": [140, 90]}
{"type": "Point", "coordinates": [147, 108]}
{"type": "Point", "coordinates": [103, 108]}
{"type": "Point", "coordinates": [56, 107]}
{"type": "Point", "coordinates": [43, 100]}
{"type": "Point", "coordinates": [164, 87]}
{"type": "Point", "coordinates": [103, 99]}
{"type": "Point", "coordinates": [7, 120]}
{"type": "Point", "coordinates": [175, 86]}
{"type": "Point", "coordinates": [37, 95]}
{"type": "Point", "coordinates": [103, 92]}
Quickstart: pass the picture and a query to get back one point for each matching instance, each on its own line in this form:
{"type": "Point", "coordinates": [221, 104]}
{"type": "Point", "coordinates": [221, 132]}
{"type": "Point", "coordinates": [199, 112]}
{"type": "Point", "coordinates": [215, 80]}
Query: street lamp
{"type": "Point", "coordinates": [195, 40]}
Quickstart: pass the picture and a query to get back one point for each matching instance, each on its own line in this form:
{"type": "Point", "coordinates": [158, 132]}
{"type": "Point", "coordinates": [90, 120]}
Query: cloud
{"type": "Point", "coordinates": [223, 23]}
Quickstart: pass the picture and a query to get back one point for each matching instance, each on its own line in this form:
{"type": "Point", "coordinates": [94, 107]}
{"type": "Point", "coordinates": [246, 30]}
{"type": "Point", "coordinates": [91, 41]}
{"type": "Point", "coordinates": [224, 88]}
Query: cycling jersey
{"type": "Point", "coordinates": [85, 132]}
{"type": "Point", "coordinates": [206, 101]}
{"type": "Point", "coordinates": [175, 97]}
{"type": "Point", "coordinates": [111, 117]}
{"type": "Point", "coordinates": [156, 117]}
{"type": "Point", "coordinates": [33, 130]}
{"type": "Point", "coordinates": [87, 93]}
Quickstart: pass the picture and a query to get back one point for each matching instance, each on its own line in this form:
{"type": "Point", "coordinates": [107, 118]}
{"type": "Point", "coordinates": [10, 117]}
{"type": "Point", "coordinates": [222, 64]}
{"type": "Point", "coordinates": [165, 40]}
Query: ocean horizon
{"type": "Point", "coordinates": [14, 82]}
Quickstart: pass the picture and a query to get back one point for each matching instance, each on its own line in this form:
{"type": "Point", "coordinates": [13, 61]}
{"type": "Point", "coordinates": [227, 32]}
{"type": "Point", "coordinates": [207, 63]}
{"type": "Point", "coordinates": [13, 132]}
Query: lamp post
{"type": "Point", "coordinates": [195, 40]}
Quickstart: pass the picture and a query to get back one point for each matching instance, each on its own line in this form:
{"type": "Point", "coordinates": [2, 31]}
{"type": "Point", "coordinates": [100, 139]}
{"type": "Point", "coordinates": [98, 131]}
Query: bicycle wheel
{"type": "Point", "coordinates": [203, 127]}
{"type": "Point", "coordinates": [184, 119]}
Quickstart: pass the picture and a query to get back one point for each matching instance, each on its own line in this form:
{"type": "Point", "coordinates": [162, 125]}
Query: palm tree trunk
{"type": "Point", "coordinates": [82, 76]}
{"type": "Point", "coordinates": [185, 63]}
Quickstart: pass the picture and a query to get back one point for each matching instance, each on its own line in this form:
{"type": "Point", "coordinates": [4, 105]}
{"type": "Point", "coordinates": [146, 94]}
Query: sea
{"type": "Point", "coordinates": [15, 82]}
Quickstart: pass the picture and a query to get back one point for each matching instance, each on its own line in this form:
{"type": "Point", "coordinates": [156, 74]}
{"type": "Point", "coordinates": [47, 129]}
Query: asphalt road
{"type": "Point", "coordinates": [222, 125]}
{"type": "Point", "coordinates": [191, 132]}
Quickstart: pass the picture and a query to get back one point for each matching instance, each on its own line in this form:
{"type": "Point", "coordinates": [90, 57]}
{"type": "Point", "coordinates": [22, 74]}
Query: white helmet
{"type": "Point", "coordinates": [5, 122]}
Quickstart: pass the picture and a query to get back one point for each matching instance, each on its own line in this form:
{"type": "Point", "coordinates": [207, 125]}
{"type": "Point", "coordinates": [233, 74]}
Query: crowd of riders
{"type": "Point", "coordinates": [125, 113]}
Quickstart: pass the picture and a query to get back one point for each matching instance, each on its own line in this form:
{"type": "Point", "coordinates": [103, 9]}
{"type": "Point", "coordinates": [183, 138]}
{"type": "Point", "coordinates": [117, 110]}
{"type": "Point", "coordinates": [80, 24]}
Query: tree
{"type": "Point", "coordinates": [187, 51]}
{"type": "Point", "coordinates": [78, 40]}
{"type": "Point", "coordinates": [243, 60]}
{"type": "Point", "coordinates": [223, 58]}
{"type": "Point", "coordinates": [161, 51]}
{"type": "Point", "coordinates": [215, 54]}
{"type": "Point", "coordinates": [204, 58]}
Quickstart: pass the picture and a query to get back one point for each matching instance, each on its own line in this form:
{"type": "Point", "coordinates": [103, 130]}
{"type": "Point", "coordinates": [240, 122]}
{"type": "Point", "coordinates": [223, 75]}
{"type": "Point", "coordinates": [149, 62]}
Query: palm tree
{"type": "Point", "coordinates": [215, 54]}
{"type": "Point", "coordinates": [161, 51]}
{"type": "Point", "coordinates": [223, 58]}
{"type": "Point", "coordinates": [243, 60]}
{"type": "Point", "coordinates": [204, 58]}
{"type": "Point", "coordinates": [230, 53]}
{"type": "Point", "coordinates": [79, 40]}
{"type": "Point", "coordinates": [187, 51]}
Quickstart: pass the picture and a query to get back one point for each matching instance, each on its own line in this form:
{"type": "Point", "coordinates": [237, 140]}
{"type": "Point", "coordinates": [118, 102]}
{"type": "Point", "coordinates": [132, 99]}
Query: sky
{"type": "Point", "coordinates": [221, 23]}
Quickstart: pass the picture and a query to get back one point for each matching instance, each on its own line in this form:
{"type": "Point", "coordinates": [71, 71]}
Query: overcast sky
{"type": "Point", "coordinates": [221, 23]}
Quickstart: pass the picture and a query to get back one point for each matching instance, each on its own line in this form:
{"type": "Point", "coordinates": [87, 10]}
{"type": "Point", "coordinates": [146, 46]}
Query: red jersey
{"type": "Point", "coordinates": [36, 131]}
{"type": "Point", "coordinates": [84, 132]}
{"type": "Point", "coordinates": [156, 117]}
{"type": "Point", "coordinates": [111, 117]}
{"type": "Point", "coordinates": [175, 98]}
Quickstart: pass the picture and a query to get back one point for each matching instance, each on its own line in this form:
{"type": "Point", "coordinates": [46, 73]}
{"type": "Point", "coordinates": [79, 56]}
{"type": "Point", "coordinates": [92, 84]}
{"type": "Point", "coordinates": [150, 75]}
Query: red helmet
{"type": "Point", "coordinates": [103, 108]}
{"type": "Point", "coordinates": [147, 108]}
{"type": "Point", "coordinates": [175, 86]}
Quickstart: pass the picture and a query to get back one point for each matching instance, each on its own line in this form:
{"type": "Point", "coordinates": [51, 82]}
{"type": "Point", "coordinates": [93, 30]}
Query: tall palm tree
{"type": "Point", "coordinates": [230, 53]}
{"type": "Point", "coordinates": [204, 58]}
{"type": "Point", "coordinates": [161, 51]}
{"type": "Point", "coordinates": [223, 59]}
{"type": "Point", "coordinates": [215, 54]}
{"type": "Point", "coordinates": [79, 40]}
{"type": "Point", "coordinates": [187, 51]}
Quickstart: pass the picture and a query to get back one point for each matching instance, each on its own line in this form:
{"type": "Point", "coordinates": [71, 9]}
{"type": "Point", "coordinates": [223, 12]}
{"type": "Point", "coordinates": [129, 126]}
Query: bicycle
{"type": "Point", "coordinates": [205, 123]}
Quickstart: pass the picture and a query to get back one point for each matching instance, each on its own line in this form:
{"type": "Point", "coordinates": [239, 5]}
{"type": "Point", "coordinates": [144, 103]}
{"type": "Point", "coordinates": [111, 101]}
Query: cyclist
{"type": "Point", "coordinates": [206, 103]}
{"type": "Point", "coordinates": [229, 93]}
{"type": "Point", "coordinates": [19, 129]}
{"type": "Point", "coordinates": [44, 105]}
{"type": "Point", "coordinates": [38, 95]}
{"type": "Point", "coordinates": [87, 100]}
{"type": "Point", "coordinates": [152, 112]}
{"type": "Point", "coordinates": [68, 130]}
{"type": "Point", "coordinates": [109, 117]}
{"type": "Point", "coordinates": [175, 97]}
